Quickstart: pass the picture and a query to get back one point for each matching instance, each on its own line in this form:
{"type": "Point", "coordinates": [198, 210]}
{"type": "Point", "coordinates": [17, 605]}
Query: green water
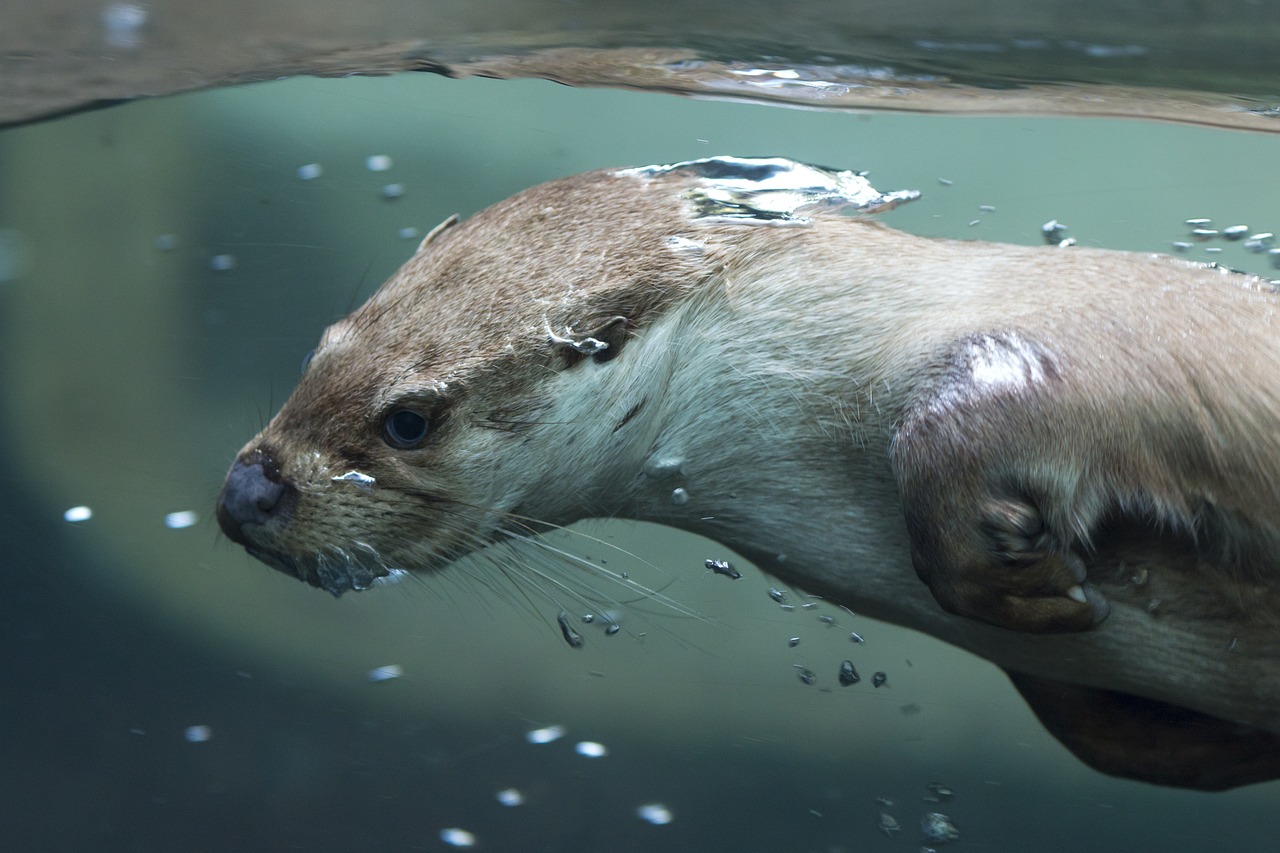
{"type": "Point", "coordinates": [133, 371]}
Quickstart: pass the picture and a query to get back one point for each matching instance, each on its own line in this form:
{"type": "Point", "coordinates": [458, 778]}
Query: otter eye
{"type": "Point", "coordinates": [405, 428]}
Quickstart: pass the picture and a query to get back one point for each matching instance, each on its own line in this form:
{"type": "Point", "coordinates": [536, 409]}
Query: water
{"type": "Point", "coordinates": [137, 359]}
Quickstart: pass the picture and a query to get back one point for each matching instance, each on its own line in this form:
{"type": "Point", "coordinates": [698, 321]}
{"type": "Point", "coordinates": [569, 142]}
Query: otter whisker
{"type": "Point", "coordinates": [648, 593]}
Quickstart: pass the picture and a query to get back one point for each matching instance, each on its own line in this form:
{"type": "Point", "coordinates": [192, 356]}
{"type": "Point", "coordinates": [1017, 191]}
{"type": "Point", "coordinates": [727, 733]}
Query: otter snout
{"type": "Point", "coordinates": [253, 494]}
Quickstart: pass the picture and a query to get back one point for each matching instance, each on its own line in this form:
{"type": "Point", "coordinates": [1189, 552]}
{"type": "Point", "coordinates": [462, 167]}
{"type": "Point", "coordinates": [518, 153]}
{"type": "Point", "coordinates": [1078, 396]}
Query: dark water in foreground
{"type": "Point", "coordinates": [133, 370]}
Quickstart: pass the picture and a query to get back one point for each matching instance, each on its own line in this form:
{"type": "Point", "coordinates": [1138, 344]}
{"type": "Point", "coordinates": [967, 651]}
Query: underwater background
{"type": "Point", "coordinates": [164, 267]}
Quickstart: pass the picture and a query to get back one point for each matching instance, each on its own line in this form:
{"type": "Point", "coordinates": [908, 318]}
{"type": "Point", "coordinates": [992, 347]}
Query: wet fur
{"type": "Point", "coordinates": [856, 408]}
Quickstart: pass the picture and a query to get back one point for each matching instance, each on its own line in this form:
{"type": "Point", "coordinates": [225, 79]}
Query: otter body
{"type": "Point", "coordinates": [1064, 460]}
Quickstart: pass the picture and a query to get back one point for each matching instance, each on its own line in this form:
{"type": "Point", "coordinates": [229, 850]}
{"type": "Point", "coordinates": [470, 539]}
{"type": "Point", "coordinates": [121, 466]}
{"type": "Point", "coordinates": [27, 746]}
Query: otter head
{"type": "Point", "coordinates": [434, 417]}
{"type": "Point", "coordinates": [413, 434]}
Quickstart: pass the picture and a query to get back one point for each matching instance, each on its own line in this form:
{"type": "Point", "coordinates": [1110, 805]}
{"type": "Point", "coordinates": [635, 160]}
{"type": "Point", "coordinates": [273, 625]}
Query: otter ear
{"type": "Point", "coordinates": [601, 338]}
{"type": "Point", "coordinates": [437, 231]}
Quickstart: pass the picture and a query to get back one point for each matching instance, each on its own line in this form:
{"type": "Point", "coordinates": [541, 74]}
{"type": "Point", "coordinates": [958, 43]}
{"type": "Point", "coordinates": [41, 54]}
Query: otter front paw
{"type": "Point", "coordinates": [999, 563]}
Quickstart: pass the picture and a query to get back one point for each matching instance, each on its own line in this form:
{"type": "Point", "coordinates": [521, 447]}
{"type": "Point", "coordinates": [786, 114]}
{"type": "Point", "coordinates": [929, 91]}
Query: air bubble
{"type": "Point", "coordinates": [663, 467]}
{"type": "Point", "coordinates": [938, 828]}
{"type": "Point", "coordinates": [1054, 232]}
{"type": "Point", "coordinates": [723, 567]}
{"type": "Point", "coordinates": [310, 171]}
{"type": "Point", "coordinates": [546, 734]}
{"type": "Point", "coordinates": [123, 23]}
{"type": "Point", "coordinates": [939, 792]}
{"type": "Point", "coordinates": [77, 514]}
{"type": "Point", "coordinates": [455, 837]}
{"type": "Point", "coordinates": [510, 797]}
{"type": "Point", "coordinates": [590, 749]}
{"type": "Point", "coordinates": [848, 675]}
{"type": "Point", "coordinates": [378, 163]}
{"type": "Point", "coordinates": [385, 673]}
{"type": "Point", "coordinates": [197, 734]}
{"type": "Point", "coordinates": [655, 813]}
{"type": "Point", "coordinates": [179, 520]}
{"type": "Point", "coordinates": [570, 634]}
{"type": "Point", "coordinates": [363, 482]}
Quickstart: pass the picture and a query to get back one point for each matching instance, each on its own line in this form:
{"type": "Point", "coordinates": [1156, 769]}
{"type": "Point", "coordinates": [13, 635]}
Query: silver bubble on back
{"type": "Point", "coordinates": [774, 190]}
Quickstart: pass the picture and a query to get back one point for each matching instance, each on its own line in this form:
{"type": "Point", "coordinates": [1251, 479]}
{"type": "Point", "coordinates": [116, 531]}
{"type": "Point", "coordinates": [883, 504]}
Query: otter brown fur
{"type": "Point", "coordinates": [1077, 450]}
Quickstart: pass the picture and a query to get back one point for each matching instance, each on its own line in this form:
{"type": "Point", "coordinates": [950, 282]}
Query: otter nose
{"type": "Point", "coordinates": [250, 495]}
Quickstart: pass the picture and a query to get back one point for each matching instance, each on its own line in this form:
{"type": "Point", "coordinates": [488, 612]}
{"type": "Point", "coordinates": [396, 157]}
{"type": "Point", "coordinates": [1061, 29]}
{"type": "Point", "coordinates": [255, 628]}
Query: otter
{"type": "Point", "coordinates": [1064, 460]}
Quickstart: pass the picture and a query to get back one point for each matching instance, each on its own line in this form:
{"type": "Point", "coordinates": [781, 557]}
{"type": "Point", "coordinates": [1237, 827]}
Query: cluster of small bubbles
{"type": "Point", "coordinates": [655, 813]}
{"type": "Point", "coordinates": [547, 734]}
{"type": "Point", "coordinates": [1201, 230]}
{"type": "Point", "coordinates": [222, 263]}
{"type": "Point", "coordinates": [879, 679]}
{"type": "Point", "coordinates": [181, 519]}
{"type": "Point", "coordinates": [590, 749]}
{"type": "Point", "coordinates": [77, 514]}
{"type": "Point", "coordinates": [510, 797]}
{"type": "Point", "coordinates": [938, 828]}
{"type": "Point", "coordinates": [310, 171]}
{"type": "Point", "coordinates": [197, 734]}
{"type": "Point", "coordinates": [393, 191]}
{"type": "Point", "coordinates": [455, 837]}
{"type": "Point", "coordinates": [385, 673]}
{"type": "Point", "coordinates": [378, 163]}
{"type": "Point", "coordinates": [723, 567]}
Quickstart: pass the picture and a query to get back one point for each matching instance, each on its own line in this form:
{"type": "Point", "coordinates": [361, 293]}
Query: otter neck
{"type": "Point", "coordinates": [688, 428]}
